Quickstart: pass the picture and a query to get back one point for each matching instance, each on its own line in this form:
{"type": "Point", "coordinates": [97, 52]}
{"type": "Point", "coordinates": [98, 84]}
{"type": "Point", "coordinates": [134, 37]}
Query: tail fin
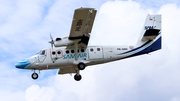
{"type": "Point", "coordinates": [151, 28]}
{"type": "Point", "coordinates": [150, 37]}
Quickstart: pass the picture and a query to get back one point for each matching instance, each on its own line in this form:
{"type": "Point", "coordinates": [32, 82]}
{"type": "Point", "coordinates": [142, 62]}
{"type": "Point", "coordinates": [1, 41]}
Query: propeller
{"type": "Point", "coordinates": [52, 41]}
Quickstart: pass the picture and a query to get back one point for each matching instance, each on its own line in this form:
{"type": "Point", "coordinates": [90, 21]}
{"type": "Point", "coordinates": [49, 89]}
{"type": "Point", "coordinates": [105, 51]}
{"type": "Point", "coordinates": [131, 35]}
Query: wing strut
{"type": "Point", "coordinates": [76, 51]}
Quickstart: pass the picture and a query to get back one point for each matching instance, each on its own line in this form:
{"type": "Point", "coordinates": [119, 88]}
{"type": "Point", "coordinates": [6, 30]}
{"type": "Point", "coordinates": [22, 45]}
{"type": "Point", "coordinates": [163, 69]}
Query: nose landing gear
{"type": "Point", "coordinates": [34, 75]}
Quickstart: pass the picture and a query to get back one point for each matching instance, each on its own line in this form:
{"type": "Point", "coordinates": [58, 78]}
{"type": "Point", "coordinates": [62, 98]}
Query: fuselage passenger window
{"type": "Point", "coordinates": [67, 51]}
{"type": "Point", "coordinates": [98, 49]}
{"type": "Point", "coordinates": [59, 52]}
{"type": "Point", "coordinates": [53, 53]}
{"type": "Point", "coordinates": [72, 51]}
{"type": "Point", "coordinates": [91, 50]}
{"type": "Point", "coordinates": [82, 50]}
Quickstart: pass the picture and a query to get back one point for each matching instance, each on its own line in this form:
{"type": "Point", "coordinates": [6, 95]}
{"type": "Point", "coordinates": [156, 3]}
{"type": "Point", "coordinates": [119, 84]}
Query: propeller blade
{"type": "Point", "coordinates": [51, 37]}
{"type": "Point", "coordinates": [52, 46]}
{"type": "Point", "coordinates": [52, 41]}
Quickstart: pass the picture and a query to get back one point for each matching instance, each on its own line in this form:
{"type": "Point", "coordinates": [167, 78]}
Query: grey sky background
{"type": "Point", "coordinates": [25, 26]}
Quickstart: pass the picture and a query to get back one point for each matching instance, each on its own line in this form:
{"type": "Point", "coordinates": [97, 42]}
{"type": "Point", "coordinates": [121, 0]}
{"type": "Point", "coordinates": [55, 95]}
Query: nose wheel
{"type": "Point", "coordinates": [34, 76]}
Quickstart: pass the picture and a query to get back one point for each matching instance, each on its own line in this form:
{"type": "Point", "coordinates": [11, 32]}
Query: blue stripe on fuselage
{"type": "Point", "coordinates": [135, 48]}
{"type": "Point", "coordinates": [153, 47]}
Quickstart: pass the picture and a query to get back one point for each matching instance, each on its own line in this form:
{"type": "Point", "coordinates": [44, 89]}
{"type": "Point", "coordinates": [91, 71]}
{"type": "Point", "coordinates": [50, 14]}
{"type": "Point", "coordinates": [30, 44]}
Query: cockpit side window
{"type": "Point", "coordinates": [42, 52]}
{"type": "Point", "coordinates": [91, 49]}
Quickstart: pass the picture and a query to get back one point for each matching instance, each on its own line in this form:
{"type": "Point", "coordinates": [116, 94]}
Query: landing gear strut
{"type": "Point", "coordinates": [34, 75]}
{"type": "Point", "coordinates": [81, 66]}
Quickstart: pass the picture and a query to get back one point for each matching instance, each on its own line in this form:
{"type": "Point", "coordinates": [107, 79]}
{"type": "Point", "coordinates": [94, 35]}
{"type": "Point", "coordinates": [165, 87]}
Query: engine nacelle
{"type": "Point", "coordinates": [59, 42]}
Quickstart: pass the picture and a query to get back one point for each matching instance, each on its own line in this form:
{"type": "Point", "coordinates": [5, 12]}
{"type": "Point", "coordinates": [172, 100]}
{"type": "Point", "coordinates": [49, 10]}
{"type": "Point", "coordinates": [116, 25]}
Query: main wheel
{"type": "Point", "coordinates": [77, 77]}
{"type": "Point", "coordinates": [81, 66]}
{"type": "Point", "coordinates": [34, 76]}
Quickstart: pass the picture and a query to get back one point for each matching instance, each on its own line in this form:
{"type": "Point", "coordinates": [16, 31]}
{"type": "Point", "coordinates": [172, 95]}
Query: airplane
{"type": "Point", "coordinates": [72, 54]}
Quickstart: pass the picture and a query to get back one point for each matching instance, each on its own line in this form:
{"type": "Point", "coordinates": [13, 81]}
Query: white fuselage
{"type": "Point", "coordinates": [59, 57]}
{"type": "Point", "coordinates": [69, 56]}
{"type": "Point", "coordinates": [62, 57]}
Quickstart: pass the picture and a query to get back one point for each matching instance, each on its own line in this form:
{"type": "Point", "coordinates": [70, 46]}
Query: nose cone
{"type": "Point", "coordinates": [22, 64]}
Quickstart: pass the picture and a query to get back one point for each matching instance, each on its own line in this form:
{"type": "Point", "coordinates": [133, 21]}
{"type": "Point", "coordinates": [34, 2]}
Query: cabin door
{"type": "Point", "coordinates": [95, 53]}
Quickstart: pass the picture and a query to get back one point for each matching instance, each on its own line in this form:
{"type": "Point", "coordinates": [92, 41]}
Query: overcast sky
{"type": "Point", "coordinates": [25, 26]}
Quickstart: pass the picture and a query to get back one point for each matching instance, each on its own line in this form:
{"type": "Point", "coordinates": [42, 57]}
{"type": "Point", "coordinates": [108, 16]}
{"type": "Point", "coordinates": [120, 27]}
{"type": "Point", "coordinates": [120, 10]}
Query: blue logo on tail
{"type": "Point", "coordinates": [149, 27]}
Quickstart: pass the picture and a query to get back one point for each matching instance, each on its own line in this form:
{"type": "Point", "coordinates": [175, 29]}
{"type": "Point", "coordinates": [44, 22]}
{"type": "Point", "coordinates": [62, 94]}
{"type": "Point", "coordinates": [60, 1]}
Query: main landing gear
{"type": "Point", "coordinates": [34, 75]}
{"type": "Point", "coordinates": [81, 66]}
{"type": "Point", "coordinates": [77, 76]}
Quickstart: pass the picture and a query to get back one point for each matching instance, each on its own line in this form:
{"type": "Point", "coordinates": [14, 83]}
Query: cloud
{"type": "Point", "coordinates": [8, 95]}
{"type": "Point", "coordinates": [35, 93]}
{"type": "Point", "coordinates": [118, 21]}
{"type": "Point", "coordinates": [148, 77]}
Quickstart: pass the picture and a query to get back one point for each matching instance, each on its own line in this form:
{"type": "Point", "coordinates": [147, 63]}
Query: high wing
{"type": "Point", "coordinates": [81, 27]}
{"type": "Point", "coordinates": [82, 24]}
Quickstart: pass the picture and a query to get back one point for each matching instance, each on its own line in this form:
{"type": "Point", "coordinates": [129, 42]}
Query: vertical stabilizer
{"type": "Point", "coordinates": [150, 38]}
{"type": "Point", "coordinates": [151, 29]}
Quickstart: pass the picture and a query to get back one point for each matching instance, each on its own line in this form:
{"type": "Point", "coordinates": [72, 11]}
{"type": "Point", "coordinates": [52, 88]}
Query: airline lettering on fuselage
{"type": "Point", "coordinates": [71, 56]}
{"type": "Point", "coordinates": [149, 27]}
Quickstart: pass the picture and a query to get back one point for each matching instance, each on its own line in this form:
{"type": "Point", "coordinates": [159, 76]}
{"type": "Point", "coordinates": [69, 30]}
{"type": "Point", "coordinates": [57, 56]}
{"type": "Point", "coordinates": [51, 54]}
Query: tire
{"type": "Point", "coordinates": [77, 77]}
{"type": "Point", "coordinates": [81, 66]}
{"type": "Point", "coordinates": [34, 76]}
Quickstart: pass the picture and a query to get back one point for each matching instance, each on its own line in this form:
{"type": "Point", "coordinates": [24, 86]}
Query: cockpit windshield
{"type": "Point", "coordinates": [42, 52]}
